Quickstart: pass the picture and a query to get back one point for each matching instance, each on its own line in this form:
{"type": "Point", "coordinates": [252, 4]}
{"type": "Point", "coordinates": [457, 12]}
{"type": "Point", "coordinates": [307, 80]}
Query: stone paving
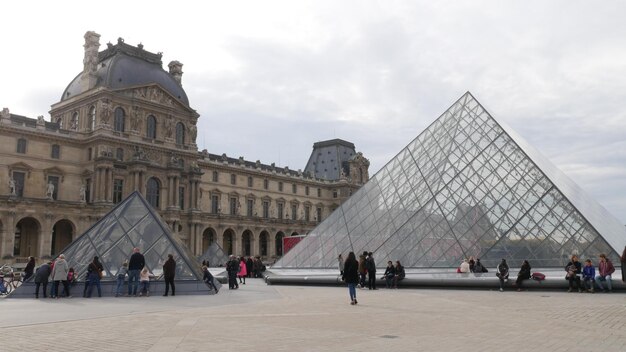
{"type": "Point", "coordinates": [258, 317]}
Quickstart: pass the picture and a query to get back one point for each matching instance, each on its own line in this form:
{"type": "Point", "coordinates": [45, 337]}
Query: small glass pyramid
{"type": "Point", "coordinates": [132, 223]}
{"type": "Point", "coordinates": [466, 186]}
{"type": "Point", "coordinates": [215, 255]}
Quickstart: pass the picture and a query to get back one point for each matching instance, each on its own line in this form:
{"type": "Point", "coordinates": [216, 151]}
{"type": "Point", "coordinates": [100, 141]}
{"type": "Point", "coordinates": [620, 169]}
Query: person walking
{"type": "Point", "coordinates": [29, 269]}
{"type": "Point", "coordinates": [169, 272]}
{"type": "Point", "coordinates": [605, 270]}
{"type": "Point", "coordinates": [351, 276]}
{"type": "Point", "coordinates": [249, 266]}
{"type": "Point", "coordinates": [41, 278]}
{"type": "Point", "coordinates": [95, 274]}
{"type": "Point", "coordinates": [135, 264]}
{"type": "Point", "coordinates": [243, 271]}
{"type": "Point", "coordinates": [232, 267]}
{"type": "Point", "coordinates": [370, 264]}
{"type": "Point", "coordinates": [502, 272]}
{"type": "Point", "coordinates": [59, 275]}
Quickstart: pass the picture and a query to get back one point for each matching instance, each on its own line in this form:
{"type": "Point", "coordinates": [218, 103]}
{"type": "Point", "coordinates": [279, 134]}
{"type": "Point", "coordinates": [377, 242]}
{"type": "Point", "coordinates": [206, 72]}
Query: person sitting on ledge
{"type": "Point", "coordinates": [464, 267]}
{"type": "Point", "coordinates": [502, 272]}
{"type": "Point", "coordinates": [605, 270]}
{"type": "Point", "coordinates": [390, 273]}
{"type": "Point", "coordinates": [589, 274]}
{"type": "Point", "coordinates": [573, 269]}
{"type": "Point", "coordinates": [479, 268]}
{"type": "Point", "coordinates": [524, 274]}
{"type": "Point", "coordinates": [400, 274]}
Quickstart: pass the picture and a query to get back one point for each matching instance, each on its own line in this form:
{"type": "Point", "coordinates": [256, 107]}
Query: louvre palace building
{"type": "Point", "coordinates": [125, 124]}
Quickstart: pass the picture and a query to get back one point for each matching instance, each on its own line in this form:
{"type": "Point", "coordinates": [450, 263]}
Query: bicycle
{"type": "Point", "coordinates": [14, 280]}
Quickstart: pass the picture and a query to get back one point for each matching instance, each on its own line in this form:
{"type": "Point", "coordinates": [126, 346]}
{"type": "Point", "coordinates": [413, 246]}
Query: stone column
{"type": "Point", "coordinates": [271, 245]}
{"type": "Point", "coordinates": [9, 235]}
{"type": "Point", "coordinates": [237, 241]}
{"type": "Point", "coordinates": [45, 236]}
{"type": "Point", "coordinates": [255, 244]}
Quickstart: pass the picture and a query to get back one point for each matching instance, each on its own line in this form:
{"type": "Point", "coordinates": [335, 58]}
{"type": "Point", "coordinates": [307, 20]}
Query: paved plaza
{"type": "Point", "coordinates": [258, 317]}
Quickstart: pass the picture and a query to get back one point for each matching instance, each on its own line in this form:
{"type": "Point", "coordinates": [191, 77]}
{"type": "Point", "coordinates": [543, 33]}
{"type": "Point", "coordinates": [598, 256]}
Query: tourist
{"type": "Point", "coordinates": [29, 269]}
{"type": "Point", "coordinates": [362, 271]}
{"type": "Point", "coordinates": [249, 266]}
{"type": "Point", "coordinates": [169, 273]}
{"type": "Point", "coordinates": [589, 274]}
{"type": "Point", "coordinates": [41, 278]}
{"type": "Point", "coordinates": [605, 270]}
{"type": "Point", "coordinates": [479, 268]}
{"type": "Point", "coordinates": [523, 274]}
{"type": "Point", "coordinates": [390, 273]}
{"type": "Point", "coordinates": [400, 274]}
{"type": "Point", "coordinates": [370, 264]}
{"type": "Point", "coordinates": [351, 276]}
{"type": "Point", "coordinates": [464, 268]}
{"type": "Point", "coordinates": [471, 263]}
{"type": "Point", "coordinates": [71, 280]}
{"type": "Point", "coordinates": [243, 271]}
{"type": "Point", "coordinates": [59, 275]}
{"type": "Point", "coordinates": [232, 267]}
{"type": "Point", "coordinates": [94, 270]}
{"type": "Point", "coordinates": [502, 272]}
{"type": "Point", "coordinates": [208, 279]}
{"type": "Point", "coordinates": [573, 269]}
{"type": "Point", "coordinates": [340, 263]}
{"type": "Point", "coordinates": [623, 262]}
{"type": "Point", "coordinates": [144, 282]}
{"type": "Point", "coordinates": [52, 291]}
{"type": "Point", "coordinates": [256, 267]}
{"type": "Point", "coordinates": [120, 276]}
{"type": "Point", "coordinates": [135, 265]}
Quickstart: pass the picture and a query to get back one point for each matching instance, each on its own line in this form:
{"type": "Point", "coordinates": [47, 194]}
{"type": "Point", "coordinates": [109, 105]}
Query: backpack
{"type": "Point", "coordinates": [538, 276]}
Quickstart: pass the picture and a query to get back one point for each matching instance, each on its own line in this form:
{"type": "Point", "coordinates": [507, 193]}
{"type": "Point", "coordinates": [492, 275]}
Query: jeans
{"type": "Point", "coordinates": [170, 282]}
{"type": "Point", "coordinates": [607, 279]}
{"type": "Point", "coordinates": [120, 285]}
{"type": "Point", "coordinates": [362, 282]}
{"type": "Point", "coordinates": [45, 288]}
{"type": "Point", "coordinates": [371, 282]}
{"type": "Point", "coordinates": [145, 287]}
{"type": "Point", "coordinates": [94, 280]}
{"type": "Point", "coordinates": [389, 280]}
{"type": "Point", "coordinates": [133, 282]}
{"type": "Point", "coordinates": [352, 291]}
{"type": "Point", "coordinates": [65, 285]}
{"type": "Point", "coordinates": [572, 279]}
{"type": "Point", "coordinates": [588, 283]}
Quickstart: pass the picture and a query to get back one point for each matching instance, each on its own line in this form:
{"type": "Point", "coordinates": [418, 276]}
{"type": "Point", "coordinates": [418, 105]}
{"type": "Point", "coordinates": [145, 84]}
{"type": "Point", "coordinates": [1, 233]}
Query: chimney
{"type": "Point", "coordinates": [176, 70]}
{"type": "Point", "coordinates": [90, 62]}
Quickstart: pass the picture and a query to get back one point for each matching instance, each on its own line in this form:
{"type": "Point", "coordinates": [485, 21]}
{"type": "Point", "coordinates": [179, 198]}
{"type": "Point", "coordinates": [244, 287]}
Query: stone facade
{"type": "Point", "coordinates": [106, 139]}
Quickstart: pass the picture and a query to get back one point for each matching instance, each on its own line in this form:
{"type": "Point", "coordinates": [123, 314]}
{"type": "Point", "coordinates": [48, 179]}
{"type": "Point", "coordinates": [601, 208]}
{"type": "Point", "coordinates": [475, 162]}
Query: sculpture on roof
{"type": "Point", "coordinates": [12, 186]}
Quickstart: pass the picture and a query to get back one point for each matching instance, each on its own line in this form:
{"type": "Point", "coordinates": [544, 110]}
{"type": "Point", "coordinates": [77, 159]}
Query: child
{"type": "Point", "coordinates": [144, 282]}
{"type": "Point", "coordinates": [589, 274]}
{"type": "Point", "coordinates": [71, 280]}
{"type": "Point", "coordinates": [208, 279]}
{"type": "Point", "coordinates": [121, 275]}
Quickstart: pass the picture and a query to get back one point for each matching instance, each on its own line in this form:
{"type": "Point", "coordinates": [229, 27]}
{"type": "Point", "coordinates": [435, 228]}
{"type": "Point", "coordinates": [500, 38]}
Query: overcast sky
{"type": "Point", "coordinates": [270, 78]}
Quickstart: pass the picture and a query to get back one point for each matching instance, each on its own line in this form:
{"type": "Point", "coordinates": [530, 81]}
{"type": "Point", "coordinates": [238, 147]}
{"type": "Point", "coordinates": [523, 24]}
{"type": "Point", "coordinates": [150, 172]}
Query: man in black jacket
{"type": "Point", "coordinates": [232, 267]}
{"type": "Point", "coordinates": [370, 264]}
{"type": "Point", "coordinates": [135, 264]}
{"type": "Point", "coordinates": [169, 271]}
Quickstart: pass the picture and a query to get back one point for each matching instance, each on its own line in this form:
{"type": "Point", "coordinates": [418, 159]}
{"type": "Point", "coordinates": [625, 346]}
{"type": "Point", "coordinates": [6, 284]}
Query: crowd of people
{"type": "Point", "coordinates": [242, 268]}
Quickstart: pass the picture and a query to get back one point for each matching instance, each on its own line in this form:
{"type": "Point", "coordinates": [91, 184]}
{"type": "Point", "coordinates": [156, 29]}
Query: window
{"type": "Point", "coordinates": [181, 198]}
{"type": "Point", "coordinates": [152, 192]}
{"type": "Point", "coordinates": [250, 207]}
{"type": "Point", "coordinates": [120, 119]}
{"type": "Point", "coordinates": [319, 192]}
{"type": "Point", "coordinates": [74, 122]}
{"type": "Point", "coordinates": [307, 213]}
{"type": "Point", "coordinates": [250, 181]}
{"type": "Point", "coordinates": [55, 151]}
{"type": "Point", "coordinates": [233, 179]}
{"type": "Point", "coordinates": [319, 214]}
{"type": "Point", "coordinates": [215, 204]}
{"type": "Point", "coordinates": [280, 186]}
{"type": "Point", "coordinates": [335, 194]}
{"type": "Point", "coordinates": [216, 176]}
{"type": "Point", "coordinates": [91, 121]}
{"type": "Point", "coordinates": [306, 190]}
{"type": "Point", "coordinates": [18, 178]}
{"type": "Point", "coordinates": [294, 212]}
{"type": "Point", "coordinates": [60, 122]}
{"type": "Point", "coordinates": [281, 207]}
{"type": "Point", "coordinates": [54, 181]}
{"type": "Point", "coordinates": [180, 133]}
{"type": "Point", "coordinates": [89, 152]}
{"type": "Point", "coordinates": [88, 190]}
{"type": "Point", "coordinates": [118, 190]}
{"type": "Point", "coordinates": [233, 206]}
{"type": "Point", "coordinates": [266, 209]}
{"type": "Point", "coordinates": [21, 146]}
{"type": "Point", "coordinates": [119, 154]}
{"type": "Point", "coordinates": [266, 184]}
{"type": "Point", "coordinates": [151, 126]}
{"type": "Point", "coordinates": [294, 188]}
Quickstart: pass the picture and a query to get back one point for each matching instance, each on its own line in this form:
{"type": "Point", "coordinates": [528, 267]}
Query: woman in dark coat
{"type": "Point", "coordinates": [524, 274]}
{"type": "Point", "coordinates": [30, 268]}
{"type": "Point", "coordinates": [94, 274]}
{"type": "Point", "coordinates": [169, 271]}
{"type": "Point", "coordinates": [623, 261]}
{"type": "Point", "coordinates": [573, 269]}
{"type": "Point", "coordinates": [351, 276]}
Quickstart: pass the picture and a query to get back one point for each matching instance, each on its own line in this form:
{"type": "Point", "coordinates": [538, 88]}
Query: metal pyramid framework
{"type": "Point", "coordinates": [466, 186]}
{"type": "Point", "coordinates": [132, 223]}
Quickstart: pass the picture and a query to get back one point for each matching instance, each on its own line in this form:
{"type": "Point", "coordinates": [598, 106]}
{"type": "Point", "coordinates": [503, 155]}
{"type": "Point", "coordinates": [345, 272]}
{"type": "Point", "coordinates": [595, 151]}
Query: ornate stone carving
{"type": "Point", "coordinates": [12, 186]}
{"type": "Point", "coordinates": [169, 126]}
{"type": "Point", "coordinates": [193, 133]}
{"type": "Point", "coordinates": [40, 120]}
{"type": "Point", "coordinates": [134, 118]}
{"type": "Point", "coordinates": [5, 113]}
{"type": "Point", "coordinates": [105, 111]}
{"type": "Point", "coordinates": [50, 190]}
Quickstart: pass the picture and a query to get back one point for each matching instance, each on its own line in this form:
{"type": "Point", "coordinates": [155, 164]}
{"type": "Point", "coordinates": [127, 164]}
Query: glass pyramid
{"type": "Point", "coordinates": [466, 186]}
{"type": "Point", "coordinates": [132, 223]}
{"type": "Point", "coordinates": [215, 255]}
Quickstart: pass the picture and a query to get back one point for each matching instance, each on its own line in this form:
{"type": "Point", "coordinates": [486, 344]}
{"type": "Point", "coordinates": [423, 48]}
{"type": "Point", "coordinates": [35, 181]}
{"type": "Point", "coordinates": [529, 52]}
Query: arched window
{"type": "Point", "coordinates": [151, 126]}
{"type": "Point", "coordinates": [91, 122]}
{"type": "Point", "coordinates": [120, 119]}
{"type": "Point", "coordinates": [74, 122]}
{"type": "Point", "coordinates": [180, 133]}
{"type": "Point", "coordinates": [152, 192]}
{"type": "Point", "coordinates": [60, 123]}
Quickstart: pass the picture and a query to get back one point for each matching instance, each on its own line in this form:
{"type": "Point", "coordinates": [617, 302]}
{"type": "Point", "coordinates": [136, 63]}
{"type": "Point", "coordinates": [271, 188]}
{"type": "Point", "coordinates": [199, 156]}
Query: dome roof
{"type": "Point", "coordinates": [123, 65]}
